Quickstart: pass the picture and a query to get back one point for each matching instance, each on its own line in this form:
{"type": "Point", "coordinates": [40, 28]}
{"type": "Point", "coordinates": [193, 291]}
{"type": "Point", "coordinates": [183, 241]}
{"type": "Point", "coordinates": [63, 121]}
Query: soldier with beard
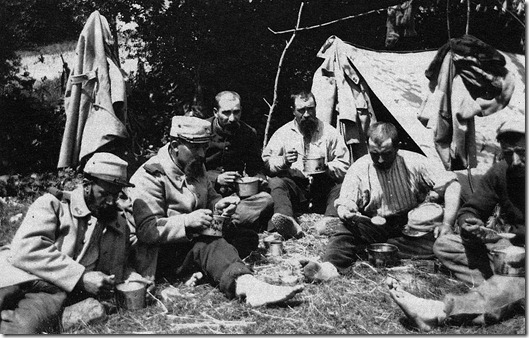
{"type": "Point", "coordinates": [293, 189]}
{"type": "Point", "coordinates": [467, 254]}
{"type": "Point", "coordinates": [71, 245]}
{"type": "Point", "coordinates": [234, 152]}
{"type": "Point", "coordinates": [493, 297]}
{"type": "Point", "coordinates": [173, 202]}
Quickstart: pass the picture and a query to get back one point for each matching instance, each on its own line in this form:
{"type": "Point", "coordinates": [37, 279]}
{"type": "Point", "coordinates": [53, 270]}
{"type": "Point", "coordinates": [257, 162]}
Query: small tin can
{"type": "Point", "coordinates": [276, 248]}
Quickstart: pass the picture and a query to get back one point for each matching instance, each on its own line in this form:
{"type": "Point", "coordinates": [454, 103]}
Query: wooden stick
{"type": "Point", "coordinates": [274, 102]}
{"type": "Point", "coordinates": [468, 23]}
{"type": "Point", "coordinates": [327, 23]}
{"type": "Point", "coordinates": [512, 14]}
{"type": "Point", "coordinates": [164, 308]}
{"type": "Point", "coordinates": [267, 103]}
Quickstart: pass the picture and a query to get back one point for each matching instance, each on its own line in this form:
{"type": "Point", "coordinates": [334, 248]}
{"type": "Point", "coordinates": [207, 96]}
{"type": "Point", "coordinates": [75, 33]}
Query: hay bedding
{"type": "Point", "coordinates": [286, 269]}
{"type": "Point", "coordinates": [356, 303]}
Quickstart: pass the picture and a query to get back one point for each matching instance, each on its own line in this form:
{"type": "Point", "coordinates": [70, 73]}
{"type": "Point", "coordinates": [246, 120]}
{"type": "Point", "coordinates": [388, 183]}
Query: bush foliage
{"type": "Point", "coordinates": [193, 49]}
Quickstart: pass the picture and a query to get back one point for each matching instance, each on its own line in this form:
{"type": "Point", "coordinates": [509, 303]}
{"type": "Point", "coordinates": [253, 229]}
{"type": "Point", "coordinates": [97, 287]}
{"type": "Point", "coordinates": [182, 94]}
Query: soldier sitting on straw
{"type": "Point", "coordinates": [174, 202]}
{"type": "Point", "coordinates": [67, 248]}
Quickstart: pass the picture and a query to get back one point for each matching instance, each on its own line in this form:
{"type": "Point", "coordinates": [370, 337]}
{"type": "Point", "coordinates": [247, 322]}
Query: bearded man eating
{"type": "Point", "coordinates": [293, 187]}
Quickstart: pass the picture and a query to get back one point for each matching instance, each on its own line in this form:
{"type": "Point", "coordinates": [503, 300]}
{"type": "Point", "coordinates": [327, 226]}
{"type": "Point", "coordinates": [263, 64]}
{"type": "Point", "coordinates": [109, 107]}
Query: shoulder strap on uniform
{"type": "Point", "coordinates": [154, 169]}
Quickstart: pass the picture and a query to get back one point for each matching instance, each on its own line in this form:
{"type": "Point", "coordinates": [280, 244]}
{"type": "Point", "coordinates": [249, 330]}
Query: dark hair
{"type": "Point", "coordinates": [381, 131]}
{"type": "Point", "coordinates": [509, 137]}
{"type": "Point", "coordinates": [226, 92]}
{"type": "Point", "coordinates": [302, 94]}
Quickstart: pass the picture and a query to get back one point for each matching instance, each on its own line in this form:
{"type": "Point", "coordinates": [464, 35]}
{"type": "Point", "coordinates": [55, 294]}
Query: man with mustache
{"type": "Point", "coordinates": [388, 182]}
{"type": "Point", "coordinates": [70, 246]}
{"type": "Point", "coordinates": [174, 201]}
{"type": "Point", "coordinates": [467, 254]}
{"type": "Point", "coordinates": [293, 189]}
{"type": "Point", "coordinates": [493, 297]}
{"type": "Point", "coordinates": [235, 152]}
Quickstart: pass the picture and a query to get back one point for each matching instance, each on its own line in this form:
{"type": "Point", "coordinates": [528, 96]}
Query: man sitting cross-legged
{"type": "Point", "coordinates": [292, 187]}
{"type": "Point", "coordinates": [173, 202]}
{"type": "Point", "coordinates": [235, 152]}
{"type": "Point", "coordinates": [388, 182]}
{"type": "Point", "coordinates": [469, 254]}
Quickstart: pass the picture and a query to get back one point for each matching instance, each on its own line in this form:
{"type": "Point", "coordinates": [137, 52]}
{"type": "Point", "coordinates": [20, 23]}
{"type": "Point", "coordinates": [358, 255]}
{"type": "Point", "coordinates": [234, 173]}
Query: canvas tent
{"type": "Point", "coordinates": [398, 82]}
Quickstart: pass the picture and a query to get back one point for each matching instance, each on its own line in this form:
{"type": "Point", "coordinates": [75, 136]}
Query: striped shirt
{"type": "Point", "coordinates": [398, 189]}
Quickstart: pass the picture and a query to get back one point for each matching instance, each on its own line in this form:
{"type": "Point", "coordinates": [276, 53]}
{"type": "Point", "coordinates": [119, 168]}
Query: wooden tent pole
{"type": "Point", "coordinates": [468, 17]}
{"type": "Point", "coordinates": [448, 18]}
{"type": "Point", "coordinates": [276, 82]}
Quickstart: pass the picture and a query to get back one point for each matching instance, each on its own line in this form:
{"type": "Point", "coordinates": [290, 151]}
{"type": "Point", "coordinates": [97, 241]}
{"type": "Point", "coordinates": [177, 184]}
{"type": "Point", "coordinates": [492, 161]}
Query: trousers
{"type": "Point", "coordinates": [251, 217]}
{"type": "Point", "coordinates": [295, 195]}
{"type": "Point", "coordinates": [496, 299]}
{"type": "Point", "coordinates": [469, 262]}
{"type": "Point", "coordinates": [218, 260]}
{"type": "Point", "coordinates": [31, 308]}
{"type": "Point", "coordinates": [350, 240]}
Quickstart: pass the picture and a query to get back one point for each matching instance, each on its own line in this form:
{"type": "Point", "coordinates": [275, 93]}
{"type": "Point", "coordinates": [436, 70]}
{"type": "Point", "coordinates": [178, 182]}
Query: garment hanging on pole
{"type": "Point", "coordinates": [95, 96]}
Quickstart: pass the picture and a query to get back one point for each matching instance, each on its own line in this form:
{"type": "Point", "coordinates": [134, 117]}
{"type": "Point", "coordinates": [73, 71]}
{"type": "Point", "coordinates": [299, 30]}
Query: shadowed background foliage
{"type": "Point", "coordinates": [194, 49]}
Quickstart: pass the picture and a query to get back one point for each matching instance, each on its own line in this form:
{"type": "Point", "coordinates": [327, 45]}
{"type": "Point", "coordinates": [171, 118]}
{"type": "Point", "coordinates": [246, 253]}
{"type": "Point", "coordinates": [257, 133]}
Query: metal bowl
{"type": "Point", "coordinates": [383, 254]}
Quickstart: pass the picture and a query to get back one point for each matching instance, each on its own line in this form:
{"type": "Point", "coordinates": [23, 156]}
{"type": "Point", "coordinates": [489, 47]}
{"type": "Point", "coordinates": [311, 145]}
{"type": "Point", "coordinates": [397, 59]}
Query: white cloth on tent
{"type": "Point", "coordinates": [339, 90]}
{"type": "Point", "coordinates": [95, 95]}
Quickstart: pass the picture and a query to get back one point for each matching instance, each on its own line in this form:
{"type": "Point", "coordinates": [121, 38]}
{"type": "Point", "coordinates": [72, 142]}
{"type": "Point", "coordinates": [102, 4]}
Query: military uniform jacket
{"type": "Point", "coordinates": [163, 197]}
{"type": "Point", "coordinates": [59, 240]}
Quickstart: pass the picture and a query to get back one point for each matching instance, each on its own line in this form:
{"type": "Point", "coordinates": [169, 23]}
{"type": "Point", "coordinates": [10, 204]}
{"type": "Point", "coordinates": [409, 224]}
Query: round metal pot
{"type": "Point", "coordinates": [509, 261]}
{"type": "Point", "coordinates": [247, 186]}
{"type": "Point", "coordinates": [383, 255]}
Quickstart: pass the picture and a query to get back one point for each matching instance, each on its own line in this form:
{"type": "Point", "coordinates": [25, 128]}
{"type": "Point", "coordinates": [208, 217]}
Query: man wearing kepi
{"type": "Point", "coordinates": [294, 187]}
{"type": "Point", "coordinates": [234, 156]}
{"type": "Point", "coordinates": [68, 248]}
{"type": "Point", "coordinates": [497, 296]}
{"type": "Point", "coordinates": [173, 202]}
{"type": "Point", "coordinates": [387, 182]}
{"type": "Point", "coordinates": [468, 254]}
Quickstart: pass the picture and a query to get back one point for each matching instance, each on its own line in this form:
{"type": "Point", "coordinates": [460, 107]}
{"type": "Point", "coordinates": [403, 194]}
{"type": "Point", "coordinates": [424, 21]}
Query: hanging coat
{"type": "Point", "coordinates": [342, 97]}
{"type": "Point", "coordinates": [468, 78]}
{"type": "Point", "coordinates": [95, 95]}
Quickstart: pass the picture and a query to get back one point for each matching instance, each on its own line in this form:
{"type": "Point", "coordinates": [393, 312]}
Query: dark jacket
{"type": "Point", "coordinates": [239, 151]}
{"type": "Point", "coordinates": [494, 188]}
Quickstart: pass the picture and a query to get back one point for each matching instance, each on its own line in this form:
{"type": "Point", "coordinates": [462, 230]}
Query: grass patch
{"type": "Point", "coordinates": [56, 48]}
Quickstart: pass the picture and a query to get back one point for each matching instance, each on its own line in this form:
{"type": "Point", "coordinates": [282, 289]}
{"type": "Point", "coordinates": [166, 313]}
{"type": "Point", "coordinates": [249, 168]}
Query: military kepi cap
{"type": "Point", "coordinates": [515, 123]}
{"type": "Point", "coordinates": [108, 167]}
{"type": "Point", "coordinates": [191, 129]}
